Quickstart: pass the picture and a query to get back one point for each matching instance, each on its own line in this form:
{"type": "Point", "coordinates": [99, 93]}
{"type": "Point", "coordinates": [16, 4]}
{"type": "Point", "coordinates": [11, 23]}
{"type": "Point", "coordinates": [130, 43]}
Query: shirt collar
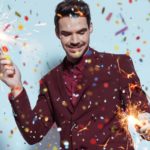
{"type": "Point", "coordinates": [79, 64]}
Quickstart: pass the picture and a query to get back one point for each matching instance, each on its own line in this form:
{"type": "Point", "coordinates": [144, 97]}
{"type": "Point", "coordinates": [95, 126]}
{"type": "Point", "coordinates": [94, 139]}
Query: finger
{"type": "Point", "coordinates": [9, 73]}
{"type": "Point", "coordinates": [5, 62]}
{"type": "Point", "coordinates": [145, 128]}
{"type": "Point", "coordinates": [9, 67]}
{"type": "Point", "coordinates": [144, 116]}
{"type": "Point", "coordinates": [2, 56]}
{"type": "Point", "coordinates": [137, 127]}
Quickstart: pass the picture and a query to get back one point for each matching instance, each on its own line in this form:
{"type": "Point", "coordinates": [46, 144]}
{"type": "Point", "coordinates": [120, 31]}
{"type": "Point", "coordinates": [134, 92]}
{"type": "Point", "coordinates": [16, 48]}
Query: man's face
{"type": "Point", "coordinates": [74, 34]}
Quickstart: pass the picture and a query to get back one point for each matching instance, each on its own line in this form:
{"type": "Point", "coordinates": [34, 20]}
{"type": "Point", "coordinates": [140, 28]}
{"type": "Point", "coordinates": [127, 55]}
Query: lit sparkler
{"type": "Point", "coordinates": [130, 117]}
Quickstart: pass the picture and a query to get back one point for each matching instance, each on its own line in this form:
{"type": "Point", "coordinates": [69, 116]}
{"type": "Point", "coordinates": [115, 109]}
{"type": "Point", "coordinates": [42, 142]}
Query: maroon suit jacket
{"type": "Point", "coordinates": [92, 124]}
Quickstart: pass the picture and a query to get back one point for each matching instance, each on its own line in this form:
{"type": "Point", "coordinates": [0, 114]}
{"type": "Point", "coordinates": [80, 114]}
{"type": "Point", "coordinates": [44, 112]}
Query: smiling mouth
{"type": "Point", "coordinates": [75, 49]}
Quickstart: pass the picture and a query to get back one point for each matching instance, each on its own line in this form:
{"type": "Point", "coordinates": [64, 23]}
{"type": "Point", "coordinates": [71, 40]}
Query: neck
{"type": "Point", "coordinates": [73, 60]}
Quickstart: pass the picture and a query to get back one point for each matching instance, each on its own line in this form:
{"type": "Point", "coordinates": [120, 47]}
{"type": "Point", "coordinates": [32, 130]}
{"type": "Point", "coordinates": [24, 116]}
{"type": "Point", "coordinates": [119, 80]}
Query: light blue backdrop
{"type": "Point", "coordinates": [37, 50]}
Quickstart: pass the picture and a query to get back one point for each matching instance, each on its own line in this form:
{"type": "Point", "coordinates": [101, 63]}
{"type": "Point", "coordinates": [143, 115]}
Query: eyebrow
{"type": "Point", "coordinates": [81, 30]}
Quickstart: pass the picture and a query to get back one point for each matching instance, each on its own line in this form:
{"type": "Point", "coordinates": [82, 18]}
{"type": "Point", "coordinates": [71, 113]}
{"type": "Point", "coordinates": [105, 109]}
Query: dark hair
{"type": "Point", "coordinates": [74, 8]}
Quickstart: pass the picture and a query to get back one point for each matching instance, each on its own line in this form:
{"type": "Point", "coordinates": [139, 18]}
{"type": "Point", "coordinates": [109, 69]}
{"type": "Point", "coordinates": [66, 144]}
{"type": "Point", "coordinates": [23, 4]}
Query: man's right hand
{"type": "Point", "coordinates": [10, 75]}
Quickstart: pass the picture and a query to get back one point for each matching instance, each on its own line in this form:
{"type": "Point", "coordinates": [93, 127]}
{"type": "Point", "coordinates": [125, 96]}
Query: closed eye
{"type": "Point", "coordinates": [64, 33]}
{"type": "Point", "coordinates": [82, 31]}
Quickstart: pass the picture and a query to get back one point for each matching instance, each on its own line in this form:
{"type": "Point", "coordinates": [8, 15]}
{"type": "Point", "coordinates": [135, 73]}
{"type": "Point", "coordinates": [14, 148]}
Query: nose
{"type": "Point", "coordinates": [74, 40]}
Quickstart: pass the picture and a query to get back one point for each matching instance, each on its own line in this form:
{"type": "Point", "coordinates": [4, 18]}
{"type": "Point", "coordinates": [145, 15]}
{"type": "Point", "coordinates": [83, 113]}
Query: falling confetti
{"type": "Point", "coordinates": [103, 10]}
{"type": "Point", "coordinates": [17, 14]}
{"type": "Point", "coordinates": [20, 27]}
{"type": "Point", "coordinates": [109, 17]}
{"type": "Point", "coordinates": [121, 31]}
{"type": "Point", "coordinates": [26, 18]}
{"type": "Point", "coordinates": [130, 1]}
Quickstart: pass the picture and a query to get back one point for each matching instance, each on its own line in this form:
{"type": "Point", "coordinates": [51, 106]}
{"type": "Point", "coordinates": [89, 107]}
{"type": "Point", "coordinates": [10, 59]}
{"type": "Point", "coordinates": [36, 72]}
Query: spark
{"type": "Point", "coordinates": [128, 75]}
{"type": "Point", "coordinates": [132, 86]}
{"type": "Point", "coordinates": [5, 38]}
{"type": "Point", "coordinates": [86, 127]}
{"type": "Point", "coordinates": [104, 145]}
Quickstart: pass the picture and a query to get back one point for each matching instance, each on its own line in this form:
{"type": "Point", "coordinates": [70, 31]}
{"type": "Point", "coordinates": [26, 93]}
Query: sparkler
{"type": "Point", "coordinates": [130, 118]}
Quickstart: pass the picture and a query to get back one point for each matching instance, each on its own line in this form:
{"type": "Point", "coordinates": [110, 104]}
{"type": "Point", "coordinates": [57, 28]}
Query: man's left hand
{"type": "Point", "coordinates": [144, 128]}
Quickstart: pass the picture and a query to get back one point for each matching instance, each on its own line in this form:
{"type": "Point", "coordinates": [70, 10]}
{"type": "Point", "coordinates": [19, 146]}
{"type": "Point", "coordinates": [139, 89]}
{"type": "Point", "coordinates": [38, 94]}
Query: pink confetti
{"type": "Point", "coordinates": [130, 1]}
{"type": "Point", "coordinates": [6, 27]}
{"type": "Point", "coordinates": [109, 17]}
{"type": "Point", "coordinates": [25, 82]}
{"type": "Point", "coordinates": [138, 37]}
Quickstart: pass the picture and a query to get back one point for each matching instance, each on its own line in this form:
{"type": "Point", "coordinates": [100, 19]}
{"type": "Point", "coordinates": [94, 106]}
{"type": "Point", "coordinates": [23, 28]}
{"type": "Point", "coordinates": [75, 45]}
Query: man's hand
{"type": "Point", "coordinates": [144, 128]}
{"type": "Point", "coordinates": [10, 75]}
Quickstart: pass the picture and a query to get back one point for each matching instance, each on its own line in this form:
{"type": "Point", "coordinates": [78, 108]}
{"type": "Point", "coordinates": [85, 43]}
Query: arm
{"type": "Point", "coordinates": [134, 98]}
{"type": "Point", "coordinates": [130, 87]}
{"type": "Point", "coordinates": [33, 124]}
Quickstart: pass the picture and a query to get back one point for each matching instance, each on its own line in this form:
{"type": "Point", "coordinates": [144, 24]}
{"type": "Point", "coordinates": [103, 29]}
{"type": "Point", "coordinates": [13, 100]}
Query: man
{"type": "Point", "coordinates": [82, 94]}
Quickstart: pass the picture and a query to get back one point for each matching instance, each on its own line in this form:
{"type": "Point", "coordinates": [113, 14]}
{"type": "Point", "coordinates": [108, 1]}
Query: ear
{"type": "Point", "coordinates": [57, 33]}
{"type": "Point", "coordinates": [91, 27]}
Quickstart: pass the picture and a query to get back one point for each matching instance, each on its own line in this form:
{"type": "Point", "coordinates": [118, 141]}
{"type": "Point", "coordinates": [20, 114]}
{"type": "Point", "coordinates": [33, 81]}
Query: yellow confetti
{"type": "Point", "coordinates": [78, 54]}
{"type": "Point", "coordinates": [34, 70]}
{"type": "Point", "coordinates": [96, 103]}
{"type": "Point", "coordinates": [89, 93]}
{"type": "Point", "coordinates": [46, 119]}
{"type": "Point", "coordinates": [36, 148]}
{"type": "Point", "coordinates": [116, 47]}
{"type": "Point", "coordinates": [117, 22]}
{"type": "Point", "coordinates": [79, 87]}
{"type": "Point", "coordinates": [59, 15]}
{"type": "Point", "coordinates": [64, 103]}
{"type": "Point", "coordinates": [84, 107]}
{"type": "Point", "coordinates": [91, 69]}
{"type": "Point", "coordinates": [7, 57]}
{"type": "Point", "coordinates": [45, 90]}
{"type": "Point", "coordinates": [54, 148]}
{"type": "Point", "coordinates": [17, 14]}
{"type": "Point", "coordinates": [20, 27]}
{"type": "Point", "coordinates": [26, 129]}
{"type": "Point", "coordinates": [97, 68]}
{"type": "Point", "coordinates": [88, 61]}
{"type": "Point", "coordinates": [127, 53]}
{"type": "Point", "coordinates": [49, 145]}
{"type": "Point", "coordinates": [144, 42]}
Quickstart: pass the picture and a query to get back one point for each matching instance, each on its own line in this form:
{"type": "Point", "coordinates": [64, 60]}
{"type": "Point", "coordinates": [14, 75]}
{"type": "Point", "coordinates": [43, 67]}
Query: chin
{"type": "Point", "coordinates": [74, 57]}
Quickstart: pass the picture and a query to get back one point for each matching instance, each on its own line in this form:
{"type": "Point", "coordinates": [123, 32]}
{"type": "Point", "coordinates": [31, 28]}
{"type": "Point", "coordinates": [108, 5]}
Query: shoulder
{"type": "Point", "coordinates": [52, 73]}
{"type": "Point", "coordinates": [111, 56]}
{"type": "Point", "coordinates": [116, 61]}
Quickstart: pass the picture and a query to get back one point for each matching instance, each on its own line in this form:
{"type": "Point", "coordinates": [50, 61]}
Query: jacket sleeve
{"type": "Point", "coordinates": [130, 88]}
{"type": "Point", "coordinates": [33, 124]}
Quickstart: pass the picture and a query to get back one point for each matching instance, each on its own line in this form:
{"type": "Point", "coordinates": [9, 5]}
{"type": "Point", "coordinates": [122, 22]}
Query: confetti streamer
{"type": "Point", "coordinates": [121, 31]}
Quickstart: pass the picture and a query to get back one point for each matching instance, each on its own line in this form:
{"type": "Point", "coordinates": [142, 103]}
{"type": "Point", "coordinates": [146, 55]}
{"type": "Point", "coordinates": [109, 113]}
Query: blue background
{"type": "Point", "coordinates": [37, 50]}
